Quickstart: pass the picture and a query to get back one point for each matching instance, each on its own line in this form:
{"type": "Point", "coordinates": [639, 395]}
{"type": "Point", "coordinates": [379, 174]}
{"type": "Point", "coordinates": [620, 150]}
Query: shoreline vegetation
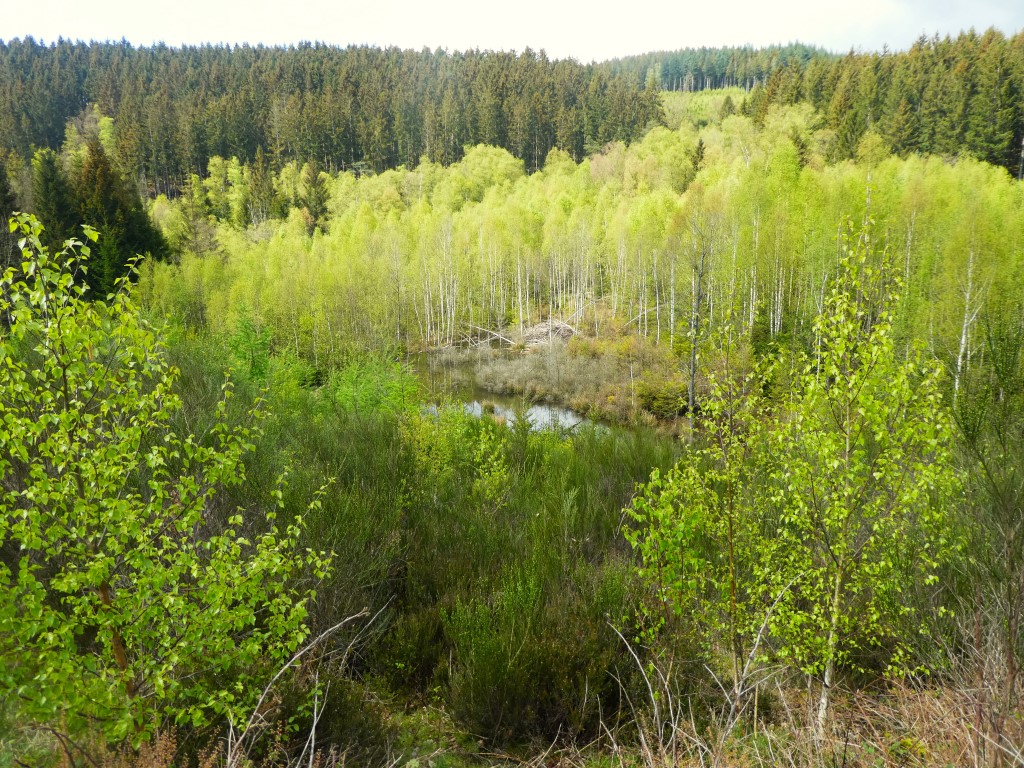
{"type": "Point", "coordinates": [794, 304]}
{"type": "Point", "coordinates": [579, 375]}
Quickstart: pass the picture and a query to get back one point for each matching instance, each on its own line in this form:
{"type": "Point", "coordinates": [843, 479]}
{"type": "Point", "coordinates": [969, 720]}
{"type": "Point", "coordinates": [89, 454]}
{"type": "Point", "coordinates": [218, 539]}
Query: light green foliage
{"type": "Point", "coordinates": [287, 184]}
{"type": "Point", "coordinates": [871, 149]}
{"type": "Point", "coordinates": [700, 107]}
{"type": "Point", "coordinates": [129, 595]}
{"type": "Point", "coordinates": [371, 385]}
{"type": "Point", "coordinates": [863, 492]}
{"type": "Point", "coordinates": [698, 528]}
{"type": "Point", "coordinates": [185, 223]}
{"type": "Point", "coordinates": [227, 190]}
{"type": "Point", "coordinates": [483, 168]}
{"type": "Point", "coordinates": [679, 513]}
{"type": "Point", "coordinates": [492, 484]}
{"type": "Point", "coordinates": [416, 257]}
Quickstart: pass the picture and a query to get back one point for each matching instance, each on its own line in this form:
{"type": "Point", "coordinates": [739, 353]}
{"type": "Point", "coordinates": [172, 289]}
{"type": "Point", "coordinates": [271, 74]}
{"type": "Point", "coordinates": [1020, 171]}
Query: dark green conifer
{"type": "Point", "coordinates": [106, 202]}
{"type": "Point", "coordinates": [8, 204]}
{"type": "Point", "coordinates": [53, 199]}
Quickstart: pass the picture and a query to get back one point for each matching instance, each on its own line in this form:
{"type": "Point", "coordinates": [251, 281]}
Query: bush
{"type": "Point", "coordinates": [126, 598]}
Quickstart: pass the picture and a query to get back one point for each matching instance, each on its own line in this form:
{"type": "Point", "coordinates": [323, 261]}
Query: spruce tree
{"type": "Point", "coordinates": [261, 190]}
{"type": "Point", "coordinates": [105, 201]}
{"type": "Point", "coordinates": [54, 201]}
{"type": "Point", "coordinates": [314, 193]}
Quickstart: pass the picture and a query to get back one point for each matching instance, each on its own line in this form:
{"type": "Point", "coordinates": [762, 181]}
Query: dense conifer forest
{"type": "Point", "coordinates": [943, 96]}
{"type": "Point", "coordinates": [357, 108]}
{"type": "Point", "coordinates": [700, 69]}
{"type": "Point", "coordinates": [242, 525]}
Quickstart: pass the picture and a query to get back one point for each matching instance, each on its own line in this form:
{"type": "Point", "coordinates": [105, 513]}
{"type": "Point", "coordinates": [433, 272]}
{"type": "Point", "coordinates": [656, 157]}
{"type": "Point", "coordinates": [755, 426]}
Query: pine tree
{"type": "Point", "coordinates": [261, 189]}
{"type": "Point", "coordinates": [903, 129]}
{"type": "Point", "coordinates": [990, 112]}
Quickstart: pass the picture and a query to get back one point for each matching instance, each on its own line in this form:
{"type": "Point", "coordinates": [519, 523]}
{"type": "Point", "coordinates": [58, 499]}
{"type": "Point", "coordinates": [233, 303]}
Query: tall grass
{"type": "Point", "coordinates": [496, 554]}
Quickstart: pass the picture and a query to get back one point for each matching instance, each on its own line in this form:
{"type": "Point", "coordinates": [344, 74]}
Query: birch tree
{"type": "Point", "coordinates": [860, 497]}
{"type": "Point", "coordinates": [128, 596]}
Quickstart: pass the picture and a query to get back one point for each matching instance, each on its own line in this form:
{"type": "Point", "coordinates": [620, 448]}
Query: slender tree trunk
{"type": "Point", "coordinates": [970, 314]}
{"type": "Point", "coordinates": [752, 315]}
{"type": "Point", "coordinates": [519, 287]}
{"type": "Point", "coordinates": [117, 642]}
{"type": "Point", "coordinates": [702, 246]}
{"type": "Point", "coordinates": [828, 676]}
{"type": "Point", "coordinates": [657, 303]}
{"type": "Point", "coordinates": [1020, 168]}
{"type": "Point", "coordinates": [672, 303]}
{"type": "Point", "coordinates": [909, 246]}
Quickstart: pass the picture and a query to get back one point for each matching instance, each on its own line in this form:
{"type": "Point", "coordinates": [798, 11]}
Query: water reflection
{"type": "Point", "coordinates": [540, 415]}
{"type": "Point", "coordinates": [446, 378]}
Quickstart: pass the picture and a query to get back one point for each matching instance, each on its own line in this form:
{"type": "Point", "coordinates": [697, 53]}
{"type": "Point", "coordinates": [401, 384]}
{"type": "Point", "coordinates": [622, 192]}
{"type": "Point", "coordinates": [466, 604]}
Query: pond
{"type": "Point", "coordinates": [448, 376]}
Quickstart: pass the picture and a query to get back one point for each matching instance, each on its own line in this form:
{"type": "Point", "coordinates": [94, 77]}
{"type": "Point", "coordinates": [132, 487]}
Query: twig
{"type": "Point", "coordinates": [494, 334]}
{"type": "Point", "coordinates": [237, 750]}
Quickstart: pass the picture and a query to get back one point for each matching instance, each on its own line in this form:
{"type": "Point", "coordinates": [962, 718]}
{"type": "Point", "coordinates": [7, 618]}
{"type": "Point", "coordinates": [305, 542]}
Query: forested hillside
{"type": "Point", "coordinates": [371, 109]}
{"type": "Point", "coordinates": [943, 96]}
{"type": "Point", "coordinates": [672, 237]}
{"type": "Point", "coordinates": [347, 108]}
{"type": "Point", "coordinates": [699, 69]}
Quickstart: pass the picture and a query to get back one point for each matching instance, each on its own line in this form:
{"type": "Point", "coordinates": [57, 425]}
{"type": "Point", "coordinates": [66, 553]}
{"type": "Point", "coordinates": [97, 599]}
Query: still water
{"type": "Point", "coordinates": [448, 378]}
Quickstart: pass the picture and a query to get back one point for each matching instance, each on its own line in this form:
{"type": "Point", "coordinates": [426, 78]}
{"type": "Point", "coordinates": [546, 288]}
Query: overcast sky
{"type": "Point", "coordinates": [564, 28]}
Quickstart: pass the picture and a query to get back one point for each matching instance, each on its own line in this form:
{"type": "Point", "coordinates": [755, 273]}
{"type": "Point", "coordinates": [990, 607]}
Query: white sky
{"type": "Point", "coordinates": [564, 28]}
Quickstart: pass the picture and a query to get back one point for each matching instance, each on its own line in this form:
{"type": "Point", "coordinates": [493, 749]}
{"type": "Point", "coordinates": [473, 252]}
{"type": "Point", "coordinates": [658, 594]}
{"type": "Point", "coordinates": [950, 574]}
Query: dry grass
{"type": "Point", "coordinates": [904, 726]}
{"type": "Point", "coordinates": [600, 380]}
{"type": "Point", "coordinates": [163, 751]}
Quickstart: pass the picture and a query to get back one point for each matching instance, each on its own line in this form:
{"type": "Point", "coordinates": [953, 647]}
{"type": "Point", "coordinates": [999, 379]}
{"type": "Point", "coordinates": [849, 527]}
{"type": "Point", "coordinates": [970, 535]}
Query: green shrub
{"type": "Point", "coordinates": [369, 385]}
{"type": "Point", "coordinates": [666, 399]}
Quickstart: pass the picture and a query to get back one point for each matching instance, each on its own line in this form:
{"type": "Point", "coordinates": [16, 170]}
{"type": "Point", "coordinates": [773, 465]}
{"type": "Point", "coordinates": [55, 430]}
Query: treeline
{"type": "Point", "coordinates": [358, 108]}
{"type": "Point", "coordinates": [943, 96]}
{"type": "Point", "coordinates": [371, 109]}
{"type": "Point", "coordinates": [701, 69]}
